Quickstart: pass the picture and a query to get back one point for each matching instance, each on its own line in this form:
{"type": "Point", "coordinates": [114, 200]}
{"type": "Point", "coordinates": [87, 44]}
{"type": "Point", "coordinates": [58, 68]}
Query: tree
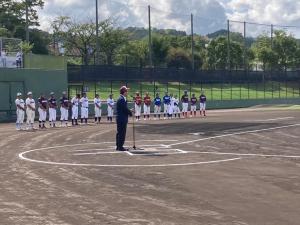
{"type": "Point", "coordinates": [77, 38]}
{"type": "Point", "coordinates": [217, 54]}
{"type": "Point", "coordinates": [111, 40]}
{"type": "Point", "coordinates": [179, 58]}
{"type": "Point", "coordinates": [160, 48]}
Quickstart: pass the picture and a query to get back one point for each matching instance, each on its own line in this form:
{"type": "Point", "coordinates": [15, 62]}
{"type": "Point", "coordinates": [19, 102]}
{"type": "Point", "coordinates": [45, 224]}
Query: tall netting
{"type": "Point", "coordinates": [10, 45]}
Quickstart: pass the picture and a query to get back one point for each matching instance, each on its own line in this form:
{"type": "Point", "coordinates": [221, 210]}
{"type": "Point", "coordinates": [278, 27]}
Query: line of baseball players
{"type": "Point", "coordinates": [50, 106]}
{"type": "Point", "coordinates": [171, 106]}
{"type": "Point", "coordinates": [170, 103]}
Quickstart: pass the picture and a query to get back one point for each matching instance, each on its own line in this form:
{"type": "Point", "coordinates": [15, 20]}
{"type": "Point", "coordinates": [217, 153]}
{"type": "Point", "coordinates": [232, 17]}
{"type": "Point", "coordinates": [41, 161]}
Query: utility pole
{"type": "Point", "coordinates": [245, 47]}
{"type": "Point", "coordinates": [150, 37]}
{"type": "Point", "coordinates": [97, 36]}
{"type": "Point", "coordinates": [192, 36]}
{"type": "Point", "coordinates": [27, 20]}
{"type": "Point", "coordinates": [228, 46]}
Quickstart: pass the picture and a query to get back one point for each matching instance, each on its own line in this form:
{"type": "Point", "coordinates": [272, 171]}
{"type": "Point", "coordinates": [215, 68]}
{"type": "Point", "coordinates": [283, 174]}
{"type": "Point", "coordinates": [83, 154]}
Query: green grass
{"type": "Point", "coordinates": [213, 91]}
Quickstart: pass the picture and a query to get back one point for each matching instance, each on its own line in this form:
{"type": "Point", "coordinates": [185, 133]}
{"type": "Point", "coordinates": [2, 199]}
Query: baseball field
{"type": "Point", "coordinates": [234, 167]}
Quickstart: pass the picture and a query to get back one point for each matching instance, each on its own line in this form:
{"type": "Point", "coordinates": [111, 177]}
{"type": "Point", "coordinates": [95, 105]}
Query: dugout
{"type": "Point", "coordinates": [23, 80]}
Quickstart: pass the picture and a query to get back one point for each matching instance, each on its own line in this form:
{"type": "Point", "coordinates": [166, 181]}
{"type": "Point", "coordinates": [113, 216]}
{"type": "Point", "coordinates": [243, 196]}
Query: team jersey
{"type": "Point", "coordinates": [30, 102]}
{"type": "Point", "coordinates": [138, 100]}
{"type": "Point", "coordinates": [176, 101]}
{"type": "Point", "coordinates": [147, 100]}
{"type": "Point", "coordinates": [75, 101]}
{"type": "Point", "coordinates": [43, 102]}
{"type": "Point", "coordinates": [110, 102]}
{"type": "Point", "coordinates": [20, 103]}
{"type": "Point", "coordinates": [185, 98]}
{"type": "Point", "coordinates": [194, 101]}
{"type": "Point", "coordinates": [84, 102]}
{"type": "Point", "coordinates": [97, 102]}
{"type": "Point", "coordinates": [52, 102]}
{"type": "Point", "coordinates": [157, 101]}
{"type": "Point", "coordinates": [64, 102]}
{"type": "Point", "coordinates": [202, 98]}
{"type": "Point", "coordinates": [167, 100]}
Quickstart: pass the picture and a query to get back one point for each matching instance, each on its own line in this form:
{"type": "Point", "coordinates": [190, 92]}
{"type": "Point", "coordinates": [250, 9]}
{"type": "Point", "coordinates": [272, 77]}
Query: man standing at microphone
{"type": "Point", "coordinates": [122, 118]}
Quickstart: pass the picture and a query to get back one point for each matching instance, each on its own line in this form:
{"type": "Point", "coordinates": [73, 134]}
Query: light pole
{"type": "Point", "coordinates": [27, 20]}
{"type": "Point", "coordinates": [97, 35]}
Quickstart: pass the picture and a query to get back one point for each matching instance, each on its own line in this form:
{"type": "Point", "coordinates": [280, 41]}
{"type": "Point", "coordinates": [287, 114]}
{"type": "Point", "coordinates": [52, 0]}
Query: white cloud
{"type": "Point", "coordinates": [209, 14]}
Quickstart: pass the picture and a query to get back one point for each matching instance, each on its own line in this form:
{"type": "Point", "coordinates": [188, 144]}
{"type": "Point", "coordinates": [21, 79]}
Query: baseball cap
{"type": "Point", "coordinates": [29, 93]}
{"type": "Point", "coordinates": [52, 93]}
{"type": "Point", "coordinates": [19, 94]}
{"type": "Point", "coordinates": [123, 89]}
{"type": "Point", "coordinates": [64, 93]}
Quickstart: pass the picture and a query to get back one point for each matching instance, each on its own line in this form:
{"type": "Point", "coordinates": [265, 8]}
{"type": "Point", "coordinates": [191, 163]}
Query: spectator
{"type": "Point", "coordinates": [3, 57]}
{"type": "Point", "coordinates": [19, 60]}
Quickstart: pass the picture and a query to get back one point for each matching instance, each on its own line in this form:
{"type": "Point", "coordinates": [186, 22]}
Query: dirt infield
{"type": "Point", "coordinates": [235, 167]}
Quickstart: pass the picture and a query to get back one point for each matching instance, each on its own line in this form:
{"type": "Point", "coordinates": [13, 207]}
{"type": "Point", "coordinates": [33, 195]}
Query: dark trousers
{"type": "Point", "coordinates": [121, 134]}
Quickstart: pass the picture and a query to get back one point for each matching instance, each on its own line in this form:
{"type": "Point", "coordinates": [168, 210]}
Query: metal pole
{"type": "Point", "coordinates": [272, 32]}
{"type": "Point", "coordinates": [245, 47]}
{"type": "Point", "coordinates": [192, 36]}
{"type": "Point", "coordinates": [228, 45]}
{"type": "Point", "coordinates": [97, 35]}
{"type": "Point", "coordinates": [27, 20]}
{"type": "Point", "coordinates": [150, 37]}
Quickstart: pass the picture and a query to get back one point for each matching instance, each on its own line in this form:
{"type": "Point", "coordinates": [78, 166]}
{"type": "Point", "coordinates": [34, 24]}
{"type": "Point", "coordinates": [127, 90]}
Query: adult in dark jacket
{"type": "Point", "coordinates": [122, 118]}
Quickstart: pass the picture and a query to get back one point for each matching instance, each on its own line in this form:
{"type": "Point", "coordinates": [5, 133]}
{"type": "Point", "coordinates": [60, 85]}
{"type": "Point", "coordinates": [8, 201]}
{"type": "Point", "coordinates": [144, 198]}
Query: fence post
{"type": "Point", "coordinates": [154, 89]}
{"type": "Point", "coordinates": [272, 89]}
{"type": "Point", "coordinates": [179, 89]}
{"type": "Point", "coordinates": [95, 86]}
{"type": "Point", "coordinates": [211, 91]}
{"type": "Point", "coordinates": [231, 90]}
{"type": "Point", "coordinates": [190, 87]}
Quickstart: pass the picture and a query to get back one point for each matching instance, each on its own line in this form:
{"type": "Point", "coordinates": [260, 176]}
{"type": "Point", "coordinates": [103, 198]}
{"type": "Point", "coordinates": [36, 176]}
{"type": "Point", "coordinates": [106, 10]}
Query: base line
{"type": "Point", "coordinates": [233, 134]}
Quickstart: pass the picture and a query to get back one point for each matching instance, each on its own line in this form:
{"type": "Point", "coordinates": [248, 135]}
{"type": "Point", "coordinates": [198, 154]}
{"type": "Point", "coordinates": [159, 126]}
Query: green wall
{"type": "Point", "coordinates": [23, 80]}
{"type": "Point", "coordinates": [49, 62]}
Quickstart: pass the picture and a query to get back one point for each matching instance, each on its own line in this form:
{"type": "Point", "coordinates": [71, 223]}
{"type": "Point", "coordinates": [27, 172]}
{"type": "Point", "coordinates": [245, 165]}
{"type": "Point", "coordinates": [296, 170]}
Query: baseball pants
{"type": "Point", "coordinates": [202, 106]}
{"type": "Point", "coordinates": [193, 108]}
{"type": "Point", "coordinates": [64, 114]}
{"type": "Point", "coordinates": [110, 111]}
{"type": "Point", "coordinates": [98, 112]}
{"type": "Point", "coordinates": [30, 116]}
{"type": "Point", "coordinates": [52, 114]}
{"type": "Point", "coordinates": [157, 109]}
{"type": "Point", "coordinates": [146, 109]}
{"type": "Point", "coordinates": [74, 112]}
{"type": "Point", "coordinates": [84, 113]}
{"type": "Point", "coordinates": [185, 107]}
{"type": "Point", "coordinates": [42, 115]}
{"type": "Point", "coordinates": [138, 110]}
{"type": "Point", "coordinates": [20, 116]}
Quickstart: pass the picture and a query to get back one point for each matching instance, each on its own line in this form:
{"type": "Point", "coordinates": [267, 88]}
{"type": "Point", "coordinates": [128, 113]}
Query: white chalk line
{"type": "Point", "coordinates": [268, 120]}
{"type": "Point", "coordinates": [246, 154]}
{"type": "Point", "coordinates": [233, 134]}
{"type": "Point", "coordinates": [22, 155]}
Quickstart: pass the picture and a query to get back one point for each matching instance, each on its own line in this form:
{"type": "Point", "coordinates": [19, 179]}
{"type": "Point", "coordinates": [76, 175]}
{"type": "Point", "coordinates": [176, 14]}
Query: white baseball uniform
{"type": "Point", "coordinates": [75, 104]}
{"type": "Point", "coordinates": [84, 108]}
{"type": "Point", "coordinates": [29, 112]}
{"type": "Point", "coordinates": [98, 111]}
{"type": "Point", "coordinates": [20, 112]}
{"type": "Point", "coordinates": [52, 109]}
{"type": "Point", "coordinates": [176, 109]}
{"type": "Point", "coordinates": [110, 107]}
{"type": "Point", "coordinates": [171, 107]}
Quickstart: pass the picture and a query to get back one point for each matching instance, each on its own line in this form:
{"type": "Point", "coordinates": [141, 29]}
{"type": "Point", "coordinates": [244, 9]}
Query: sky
{"type": "Point", "coordinates": [209, 15]}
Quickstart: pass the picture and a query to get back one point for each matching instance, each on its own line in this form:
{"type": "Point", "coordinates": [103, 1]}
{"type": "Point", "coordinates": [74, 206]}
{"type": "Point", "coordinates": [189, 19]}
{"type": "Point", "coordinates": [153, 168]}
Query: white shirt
{"type": "Point", "coordinates": [172, 102]}
{"type": "Point", "coordinates": [110, 102]}
{"type": "Point", "coordinates": [98, 102]}
{"type": "Point", "coordinates": [30, 102]}
{"type": "Point", "coordinates": [19, 56]}
{"type": "Point", "coordinates": [84, 102]}
{"type": "Point", "coordinates": [176, 101]}
{"type": "Point", "coordinates": [75, 101]}
{"type": "Point", "coordinates": [20, 102]}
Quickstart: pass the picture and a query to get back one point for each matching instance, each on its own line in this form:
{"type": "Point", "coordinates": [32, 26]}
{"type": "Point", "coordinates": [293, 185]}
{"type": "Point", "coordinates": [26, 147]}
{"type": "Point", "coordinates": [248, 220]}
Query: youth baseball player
{"type": "Point", "coordinates": [84, 103]}
{"type": "Point", "coordinates": [110, 108]}
{"type": "Point", "coordinates": [176, 109]}
{"type": "Point", "coordinates": [64, 109]}
{"type": "Point", "coordinates": [43, 104]}
{"type": "Point", "coordinates": [138, 106]}
{"type": "Point", "coordinates": [157, 107]}
{"type": "Point", "coordinates": [202, 104]}
{"type": "Point", "coordinates": [20, 106]}
{"type": "Point", "coordinates": [194, 105]}
{"type": "Point", "coordinates": [167, 102]}
{"type": "Point", "coordinates": [30, 111]}
{"type": "Point", "coordinates": [147, 106]}
{"type": "Point", "coordinates": [52, 109]}
{"type": "Point", "coordinates": [171, 107]}
{"type": "Point", "coordinates": [75, 107]}
{"type": "Point", "coordinates": [98, 111]}
{"type": "Point", "coordinates": [185, 104]}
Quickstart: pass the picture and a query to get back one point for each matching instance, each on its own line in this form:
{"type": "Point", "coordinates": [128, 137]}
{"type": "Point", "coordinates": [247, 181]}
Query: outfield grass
{"type": "Point", "coordinates": [213, 91]}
